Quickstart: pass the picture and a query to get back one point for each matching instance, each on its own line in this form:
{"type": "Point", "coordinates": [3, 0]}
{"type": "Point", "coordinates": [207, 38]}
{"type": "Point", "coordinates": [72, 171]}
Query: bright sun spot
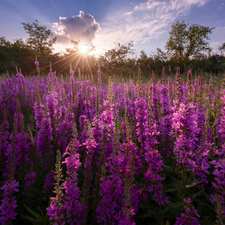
{"type": "Point", "coordinates": [83, 49]}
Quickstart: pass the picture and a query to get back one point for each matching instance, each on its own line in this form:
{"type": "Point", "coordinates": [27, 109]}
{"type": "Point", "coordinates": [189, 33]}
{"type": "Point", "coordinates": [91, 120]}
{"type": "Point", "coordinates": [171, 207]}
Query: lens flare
{"type": "Point", "coordinates": [83, 49]}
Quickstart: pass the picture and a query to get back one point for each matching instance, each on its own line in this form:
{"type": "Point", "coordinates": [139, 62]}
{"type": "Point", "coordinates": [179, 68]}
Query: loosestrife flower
{"type": "Point", "coordinates": [64, 134]}
{"type": "Point", "coordinates": [30, 179]}
{"type": "Point", "coordinates": [107, 127]}
{"type": "Point", "coordinates": [38, 113]}
{"type": "Point", "coordinates": [185, 129]}
{"type": "Point", "coordinates": [112, 191]}
{"type": "Point", "coordinates": [155, 162]}
{"type": "Point", "coordinates": [190, 217]}
{"type": "Point", "coordinates": [219, 172]}
{"type": "Point", "coordinates": [49, 182]}
{"type": "Point", "coordinates": [4, 134]}
{"type": "Point", "coordinates": [99, 76]}
{"type": "Point", "coordinates": [142, 120]}
{"type": "Point", "coordinates": [75, 211]}
{"type": "Point", "coordinates": [147, 135]}
{"type": "Point", "coordinates": [131, 190]}
{"type": "Point", "coordinates": [56, 211]}
{"type": "Point", "coordinates": [90, 147]}
{"type": "Point", "coordinates": [51, 104]}
{"type": "Point", "coordinates": [8, 206]}
{"type": "Point", "coordinates": [165, 123]}
{"type": "Point", "coordinates": [44, 138]}
{"type": "Point", "coordinates": [37, 66]}
{"type": "Point", "coordinates": [188, 133]}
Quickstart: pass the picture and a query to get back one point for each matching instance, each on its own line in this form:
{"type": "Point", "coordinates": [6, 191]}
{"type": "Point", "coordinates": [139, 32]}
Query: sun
{"type": "Point", "coordinates": [83, 49]}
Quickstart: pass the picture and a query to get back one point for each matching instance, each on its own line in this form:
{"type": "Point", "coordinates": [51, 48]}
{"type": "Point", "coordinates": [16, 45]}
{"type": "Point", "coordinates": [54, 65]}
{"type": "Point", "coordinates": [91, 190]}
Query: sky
{"type": "Point", "coordinates": [104, 23]}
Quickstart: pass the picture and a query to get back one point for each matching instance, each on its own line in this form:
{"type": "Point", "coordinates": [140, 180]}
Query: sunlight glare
{"type": "Point", "coordinates": [83, 49]}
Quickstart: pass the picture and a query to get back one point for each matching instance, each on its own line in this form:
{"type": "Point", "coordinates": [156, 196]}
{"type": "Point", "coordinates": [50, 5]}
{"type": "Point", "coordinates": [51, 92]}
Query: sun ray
{"type": "Point", "coordinates": [89, 67]}
{"type": "Point", "coordinates": [83, 49]}
{"type": "Point", "coordinates": [66, 64]}
{"type": "Point", "coordinates": [77, 63]}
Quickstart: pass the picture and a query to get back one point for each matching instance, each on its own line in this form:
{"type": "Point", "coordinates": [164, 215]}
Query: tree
{"type": "Point", "coordinates": [222, 48]}
{"type": "Point", "coordinates": [15, 54]}
{"type": "Point", "coordinates": [143, 55]}
{"type": "Point", "coordinates": [188, 42]}
{"type": "Point", "coordinates": [118, 58]}
{"type": "Point", "coordinates": [39, 38]}
{"type": "Point", "coordinates": [160, 55]}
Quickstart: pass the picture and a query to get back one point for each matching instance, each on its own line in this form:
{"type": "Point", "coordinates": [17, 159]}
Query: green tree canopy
{"type": "Point", "coordinates": [186, 42]}
{"type": "Point", "coordinates": [222, 47]}
{"type": "Point", "coordinates": [118, 60]}
{"type": "Point", "coordinates": [40, 38]}
{"type": "Point", "coordinates": [118, 55]}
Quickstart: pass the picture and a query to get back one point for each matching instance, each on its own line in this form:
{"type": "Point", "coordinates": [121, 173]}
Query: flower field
{"type": "Point", "coordinates": [80, 152]}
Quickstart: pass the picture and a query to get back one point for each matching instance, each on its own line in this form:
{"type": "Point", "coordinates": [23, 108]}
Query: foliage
{"type": "Point", "coordinates": [118, 60]}
{"type": "Point", "coordinates": [39, 38]}
{"type": "Point", "coordinates": [187, 42]}
{"type": "Point", "coordinates": [149, 153]}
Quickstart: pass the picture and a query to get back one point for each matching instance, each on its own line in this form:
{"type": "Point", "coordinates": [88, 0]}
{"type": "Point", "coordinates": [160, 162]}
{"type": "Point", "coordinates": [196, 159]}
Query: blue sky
{"type": "Point", "coordinates": [104, 22]}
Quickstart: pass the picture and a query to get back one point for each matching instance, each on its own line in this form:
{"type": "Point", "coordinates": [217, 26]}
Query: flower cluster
{"type": "Point", "coordinates": [190, 217]}
{"type": "Point", "coordinates": [75, 211]}
{"type": "Point", "coordinates": [8, 206]}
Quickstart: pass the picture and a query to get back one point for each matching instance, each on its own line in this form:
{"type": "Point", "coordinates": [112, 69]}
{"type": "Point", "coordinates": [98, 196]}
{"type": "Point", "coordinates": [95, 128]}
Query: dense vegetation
{"type": "Point", "coordinates": [187, 47]}
{"type": "Point", "coordinates": [122, 153]}
{"type": "Point", "coordinates": [137, 147]}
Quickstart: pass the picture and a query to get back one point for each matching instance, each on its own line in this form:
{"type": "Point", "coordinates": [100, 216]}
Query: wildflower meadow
{"type": "Point", "coordinates": [81, 151]}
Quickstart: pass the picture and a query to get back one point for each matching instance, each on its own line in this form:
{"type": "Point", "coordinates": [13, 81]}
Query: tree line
{"type": "Point", "coordinates": [187, 47]}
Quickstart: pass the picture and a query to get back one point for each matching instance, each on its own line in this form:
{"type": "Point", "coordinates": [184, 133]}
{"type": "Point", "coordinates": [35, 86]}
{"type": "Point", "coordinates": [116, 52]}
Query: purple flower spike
{"type": "Point", "coordinates": [7, 209]}
{"type": "Point", "coordinates": [190, 217]}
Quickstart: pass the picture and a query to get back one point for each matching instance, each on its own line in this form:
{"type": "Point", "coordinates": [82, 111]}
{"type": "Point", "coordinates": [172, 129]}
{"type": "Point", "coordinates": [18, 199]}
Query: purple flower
{"type": "Point", "coordinates": [38, 113]}
{"type": "Point", "coordinates": [75, 211]}
{"type": "Point", "coordinates": [64, 134]}
{"type": "Point", "coordinates": [165, 123]}
{"type": "Point", "coordinates": [37, 66]}
{"type": "Point", "coordinates": [44, 138]}
{"type": "Point", "coordinates": [49, 182]}
{"type": "Point", "coordinates": [142, 120]}
{"type": "Point", "coordinates": [189, 217]}
{"type": "Point", "coordinates": [36, 63]}
{"type": "Point", "coordinates": [29, 180]}
{"type": "Point", "coordinates": [112, 191]}
{"type": "Point", "coordinates": [8, 206]}
{"type": "Point", "coordinates": [56, 211]}
{"type": "Point", "coordinates": [4, 134]}
{"type": "Point", "coordinates": [51, 104]}
{"type": "Point", "coordinates": [107, 128]}
{"type": "Point", "coordinates": [99, 76]}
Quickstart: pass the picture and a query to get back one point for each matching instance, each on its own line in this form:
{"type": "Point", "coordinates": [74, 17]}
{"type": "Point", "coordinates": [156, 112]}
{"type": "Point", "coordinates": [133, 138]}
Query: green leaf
{"type": "Point", "coordinates": [32, 220]}
{"type": "Point", "coordinates": [36, 215]}
{"type": "Point", "coordinates": [37, 160]}
{"type": "Point", "coordinates": [177, 183]}
{"type": "Point", "coordinates": [174, 208]}
{"type": "Point", "coordinates": [31, 135]}
{"type": "Point", "coordinates": [37, 191]}
{"type": "Point", "coordinates": [169, 170]}
{"type": "Point", "coordinates": [171, 190]}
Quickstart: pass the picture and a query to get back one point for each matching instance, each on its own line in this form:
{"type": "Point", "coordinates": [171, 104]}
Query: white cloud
{"type": "Point", "coordinates": [148, 5]}
{"type": "Point", "coordinates": [82, 27]}
{"type": "Point", "coordinates": [128, 13]}
{"type": "Point", "coordinates": [146, 21]}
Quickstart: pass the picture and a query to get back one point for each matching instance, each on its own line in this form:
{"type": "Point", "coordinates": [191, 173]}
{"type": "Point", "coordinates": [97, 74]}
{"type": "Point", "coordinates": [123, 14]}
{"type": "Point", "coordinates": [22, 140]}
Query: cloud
{"type": "Point", "coordinates": [149, 5]}
{"type": "Point", "coordinates": [82, 27]}
{"type": "Point", "coordinates": [147, 21]}
{"type": "Point", "coordinates": [221, 6]}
